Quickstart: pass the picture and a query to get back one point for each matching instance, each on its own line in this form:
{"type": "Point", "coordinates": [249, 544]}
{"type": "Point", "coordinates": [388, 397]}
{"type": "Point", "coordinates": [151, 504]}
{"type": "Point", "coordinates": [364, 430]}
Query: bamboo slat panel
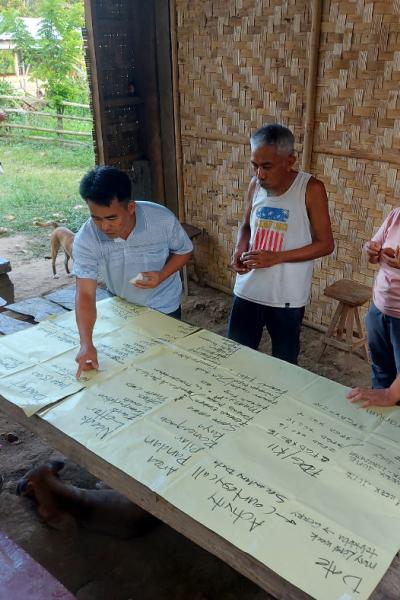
{"type": "Point", "coordinates": [357, 128]}
{"type": "Point", "coordinates": [243, 63]}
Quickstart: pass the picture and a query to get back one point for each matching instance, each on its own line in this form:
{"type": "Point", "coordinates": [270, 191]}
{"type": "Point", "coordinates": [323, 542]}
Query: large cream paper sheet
{"type": "Point", "coordinates": [268, 455]}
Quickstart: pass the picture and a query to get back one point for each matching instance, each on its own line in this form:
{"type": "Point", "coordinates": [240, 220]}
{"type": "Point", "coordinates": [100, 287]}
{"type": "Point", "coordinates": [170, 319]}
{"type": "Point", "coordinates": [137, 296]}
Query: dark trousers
{"type": "Point", "coordinates": [177, 314]}
{"type": "Point", "coordinates": [384, 346]}
{"type": "Point", "coordinates": [248, 320]}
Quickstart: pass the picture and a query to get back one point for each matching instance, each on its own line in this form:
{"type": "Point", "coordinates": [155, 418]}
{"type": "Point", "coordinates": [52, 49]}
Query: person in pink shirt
{"type": "Point", "coordinates": [383, 318]}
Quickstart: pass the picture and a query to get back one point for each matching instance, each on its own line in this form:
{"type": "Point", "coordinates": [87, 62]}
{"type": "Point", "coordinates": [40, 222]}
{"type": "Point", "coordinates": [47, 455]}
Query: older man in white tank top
{"type": "Point", "coordinates": [285, 227]}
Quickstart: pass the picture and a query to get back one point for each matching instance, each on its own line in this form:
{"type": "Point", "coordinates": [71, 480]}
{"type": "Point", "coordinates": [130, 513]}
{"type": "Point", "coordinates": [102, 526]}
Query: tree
{"type": "Point", "coordinates": [25, 8]}
{"type": "Point", "coordinates": [55, 56]}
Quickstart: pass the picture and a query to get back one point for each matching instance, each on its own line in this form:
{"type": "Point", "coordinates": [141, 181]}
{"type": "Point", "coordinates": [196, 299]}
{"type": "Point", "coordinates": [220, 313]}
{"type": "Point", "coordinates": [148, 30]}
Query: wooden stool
{"type": "Point", "coordinates": [351, 295]}
{"type": "Point", "coordinates": [6, 285]}
{"type": "Point", "coordinates": [192, 232]}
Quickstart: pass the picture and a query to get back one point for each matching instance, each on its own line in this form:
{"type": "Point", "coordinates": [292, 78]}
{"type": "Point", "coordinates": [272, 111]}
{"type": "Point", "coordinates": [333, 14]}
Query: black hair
{"type": "Point", "coordinates": [274, 135]}
{"type": "Point", "coordinates": [103, 184]}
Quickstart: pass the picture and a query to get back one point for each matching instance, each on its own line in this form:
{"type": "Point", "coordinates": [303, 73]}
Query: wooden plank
{"type": "Point", "coordinates": [143, 36]}
{"type": "Point", "coordinates": [122, 100]}
{"type": "Point", "coordinates": [48, 139]}
{"type": "Point", "coordinates": [66, 297]}
{"type": "Point", "coordinates": [77, 104]}
{"type": "Point", "coordinates": [388, 588]}
{"type": "Point", "coordinates": [39, 308]}
{"type": "Point", "coordinates": [311, 90]}
{"type": "Point", "coordinates": [177, 113]}
{"type": "Point", "coordinates": [9, 325]}
{"type": "Point", "coordinates": [359, 153]}
{"type": "Point", "coordinates": [59, 131]}
{"type": "Point", "coordinates": [166, 104]}
{"type": "Point", "coordinates": [348, 291]}
{"type": "Point", "coordinates": [97, 102]}
{"type": "Point", "coordinates": [19, 111]}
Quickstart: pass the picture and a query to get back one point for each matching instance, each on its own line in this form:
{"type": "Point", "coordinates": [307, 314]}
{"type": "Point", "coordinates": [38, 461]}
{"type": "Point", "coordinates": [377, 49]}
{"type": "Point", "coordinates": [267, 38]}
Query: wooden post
{"type": "Point", "coordinates": [96, 105]}
{"type": "Point", "coordinates": [316, 12]}
{"type": "Point", "coordinates": [60, 123]}
{"type": "Point", "coordinates": [177, 117]}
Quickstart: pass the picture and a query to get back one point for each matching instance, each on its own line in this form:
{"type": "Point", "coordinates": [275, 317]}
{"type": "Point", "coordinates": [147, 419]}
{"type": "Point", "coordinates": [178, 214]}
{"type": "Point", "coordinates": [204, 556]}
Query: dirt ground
{"type": "Point", "coordinates": [162, 565]}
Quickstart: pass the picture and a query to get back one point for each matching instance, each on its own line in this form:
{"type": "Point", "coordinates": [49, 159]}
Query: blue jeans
{"type": "Point", "coordinates": [384, 346]}
{"type": "Point", "coordinates": [248, 320]}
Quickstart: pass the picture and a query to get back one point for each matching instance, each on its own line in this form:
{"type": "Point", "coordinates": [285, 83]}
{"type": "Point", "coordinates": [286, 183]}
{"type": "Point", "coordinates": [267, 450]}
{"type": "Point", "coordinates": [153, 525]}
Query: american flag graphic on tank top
{"type": "Point", "coordinates": [271, 226]}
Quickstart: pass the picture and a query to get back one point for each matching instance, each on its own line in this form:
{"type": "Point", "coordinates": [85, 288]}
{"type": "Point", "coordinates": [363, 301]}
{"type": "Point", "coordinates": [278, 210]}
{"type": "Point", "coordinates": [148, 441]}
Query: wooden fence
{"type": "Point", "coordinates": [60, 133]}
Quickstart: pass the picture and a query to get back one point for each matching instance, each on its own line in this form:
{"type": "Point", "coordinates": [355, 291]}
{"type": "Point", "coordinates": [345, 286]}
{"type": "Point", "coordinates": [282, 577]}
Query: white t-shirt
{"type": "Point", "coordinates": [279, 223]}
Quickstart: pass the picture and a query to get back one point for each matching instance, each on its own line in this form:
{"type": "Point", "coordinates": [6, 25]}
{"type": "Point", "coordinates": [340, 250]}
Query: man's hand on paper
{"type": "Point", "coordinates": [86, 359]}
{"type": "Point", "coordinates": [384, 397]}
{"type": "Point", "coordinates": [147, 279]}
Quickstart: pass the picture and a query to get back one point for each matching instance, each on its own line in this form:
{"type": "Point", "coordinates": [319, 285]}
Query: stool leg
{"type": "Point", "coordinates": [185, 281]}
{"type": "Point", "coordinates": [362, 335]}
{"type": "Point", "coordinates": [330, 330]}
{"type": "Point", "coordinates": [349, 326]}
{"type": "Point", "coordinates": [341, 328]}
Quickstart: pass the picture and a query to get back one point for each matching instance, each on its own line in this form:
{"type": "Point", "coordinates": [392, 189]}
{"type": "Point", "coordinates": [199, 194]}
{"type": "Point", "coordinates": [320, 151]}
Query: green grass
{"type": "Point", "coordinates": [40, 183]}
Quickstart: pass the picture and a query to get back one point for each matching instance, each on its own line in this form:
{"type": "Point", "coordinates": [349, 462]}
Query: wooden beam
{"type": "Point", "coordinates": [217, 137]}
{"type": "Point", "coordinates": [177, 116]}
{"type": "Point", "coordinates": [166, 103]}
{"type": "Point", "coordinates": [96, 104]}
{"type": "Point", "coordinates": [316, 12]}
{"type": "Point", "coordinates": [59, 131]}
{"type": "Point", "coordinates": [385, 156]}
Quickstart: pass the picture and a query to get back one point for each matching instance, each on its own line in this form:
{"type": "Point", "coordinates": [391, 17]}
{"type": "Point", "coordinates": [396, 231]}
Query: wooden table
{"type": "Point", "coordinates": [388, 589]}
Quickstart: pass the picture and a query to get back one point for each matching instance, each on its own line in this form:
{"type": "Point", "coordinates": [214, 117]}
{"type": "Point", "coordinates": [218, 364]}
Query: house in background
{"type": "Point", "coordinates": [12, 67]}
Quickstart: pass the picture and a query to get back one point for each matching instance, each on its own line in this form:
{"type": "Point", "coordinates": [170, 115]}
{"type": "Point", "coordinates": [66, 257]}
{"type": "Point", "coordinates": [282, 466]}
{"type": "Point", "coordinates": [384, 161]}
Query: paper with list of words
{"type": "Point", "coordinates": [267, 455]}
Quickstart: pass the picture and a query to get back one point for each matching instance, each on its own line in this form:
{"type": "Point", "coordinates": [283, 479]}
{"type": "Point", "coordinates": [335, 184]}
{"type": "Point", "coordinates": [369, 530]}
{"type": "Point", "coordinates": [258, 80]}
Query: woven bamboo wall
{"type": "Point", "coordinates": [356, 143]}
{"type": "Point", "coordinates": [243, 63]}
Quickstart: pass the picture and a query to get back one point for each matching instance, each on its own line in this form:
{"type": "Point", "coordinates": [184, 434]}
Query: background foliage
{"type": "Point", "coordinates": [56, 58]}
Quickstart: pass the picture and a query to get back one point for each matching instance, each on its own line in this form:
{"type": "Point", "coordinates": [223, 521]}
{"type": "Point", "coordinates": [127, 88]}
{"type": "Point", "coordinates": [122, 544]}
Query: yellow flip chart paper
{"type": "Point", "coordinates": [123, 332]}
{"type": "Point", "coordinates": [161, 327]}
{"type": "Point", "coordinates": [118, 312]}
{"type": "Point", "coordinates": [38, 386]}
{"type": "Point", "coordinates": [46, 340]}
{"type": "Point", "coordinates": [269, 456]}
{"type": "Point", "coordinates": [11, 361]}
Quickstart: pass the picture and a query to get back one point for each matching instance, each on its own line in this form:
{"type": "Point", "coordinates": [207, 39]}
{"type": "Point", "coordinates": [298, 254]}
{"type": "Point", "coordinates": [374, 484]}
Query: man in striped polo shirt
{"type": "Point", "coordinates": [137, 247]}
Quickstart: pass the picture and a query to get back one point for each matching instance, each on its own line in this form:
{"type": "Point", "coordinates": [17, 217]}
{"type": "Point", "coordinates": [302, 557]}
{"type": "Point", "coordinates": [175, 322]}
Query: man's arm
{"type": "Point", "coordinates": [85, 307]}
{"type": "Point", "coordinates": [243, 238]}
{"type": "Point", "coordinates": [386, 397]}
{"type": "Point", "coordinates": [322, 238]}
{"type": "Point", "coordinates": [153, 278]}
